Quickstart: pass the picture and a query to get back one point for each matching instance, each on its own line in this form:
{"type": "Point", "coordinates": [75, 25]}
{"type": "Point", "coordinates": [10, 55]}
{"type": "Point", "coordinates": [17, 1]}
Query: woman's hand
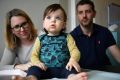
{"type": "Point", "coordinates": [23, 67]}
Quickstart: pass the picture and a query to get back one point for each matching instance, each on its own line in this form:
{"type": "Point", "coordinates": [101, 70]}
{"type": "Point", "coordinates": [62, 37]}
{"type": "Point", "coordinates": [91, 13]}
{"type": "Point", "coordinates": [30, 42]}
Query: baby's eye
{"type": "Point", "coordinates": [48, 17]}
{"type": "Point", "coordinates": [58, 18]}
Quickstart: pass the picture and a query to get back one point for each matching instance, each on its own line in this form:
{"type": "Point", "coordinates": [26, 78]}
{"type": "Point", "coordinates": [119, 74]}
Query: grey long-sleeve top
{"type": "Point", "coordinates": [22, 54]}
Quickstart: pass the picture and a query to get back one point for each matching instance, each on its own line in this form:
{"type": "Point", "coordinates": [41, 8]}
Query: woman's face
{"type": "Point", "coordinates": [20, 27]}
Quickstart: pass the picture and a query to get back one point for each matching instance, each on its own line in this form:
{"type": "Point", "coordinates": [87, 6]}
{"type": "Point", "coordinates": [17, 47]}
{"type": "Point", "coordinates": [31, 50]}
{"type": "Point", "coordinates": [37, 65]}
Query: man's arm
{"type": "Point", "coordinates": [115, 51]}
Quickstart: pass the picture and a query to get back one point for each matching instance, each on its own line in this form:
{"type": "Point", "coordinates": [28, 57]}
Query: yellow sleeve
{"type": "Point", "coordinates": [74, 52]}
{"type": "Point", "coordinates": [35, 52]}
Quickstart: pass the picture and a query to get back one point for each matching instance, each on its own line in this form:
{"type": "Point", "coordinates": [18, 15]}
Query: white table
{"type": "Point", "coordinates": [102, 75]}
{"type": "Point", "coordinates": [92, 75]}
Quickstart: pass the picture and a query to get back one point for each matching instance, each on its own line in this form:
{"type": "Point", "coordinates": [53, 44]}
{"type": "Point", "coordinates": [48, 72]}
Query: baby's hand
{"type": "Point", "coordinates": [73, 63]}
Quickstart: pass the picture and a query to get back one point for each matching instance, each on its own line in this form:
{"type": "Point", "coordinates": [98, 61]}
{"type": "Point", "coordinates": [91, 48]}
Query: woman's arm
{"type": "Point", "coordinates": [8, 59]}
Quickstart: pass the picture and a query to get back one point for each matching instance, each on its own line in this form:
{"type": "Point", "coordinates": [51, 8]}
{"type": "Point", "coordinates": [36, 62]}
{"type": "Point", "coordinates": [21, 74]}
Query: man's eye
{"type": "Point", "coordinates": [48, 17]}
{"type": "Point", "coordinates": [80, 12]}
{"type": "Point", "coordinates": [58, 18]}
{"type": "Point", "coordinates": [88, 11]}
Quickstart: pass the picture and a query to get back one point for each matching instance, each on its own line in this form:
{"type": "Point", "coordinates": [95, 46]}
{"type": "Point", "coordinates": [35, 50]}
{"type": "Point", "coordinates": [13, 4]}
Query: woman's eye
{"type": "Point", "coordinates": [58, 18]}
{"type": "Point", "coordinates": [48, 17]}
{"type": "Point", "coordinates": [23, 24]}
{"type": "Point", "coordinates": [17, 26]}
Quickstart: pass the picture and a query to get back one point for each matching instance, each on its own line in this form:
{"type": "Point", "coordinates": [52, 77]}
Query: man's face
{"type": "Point", "coordinates": [85, 14]}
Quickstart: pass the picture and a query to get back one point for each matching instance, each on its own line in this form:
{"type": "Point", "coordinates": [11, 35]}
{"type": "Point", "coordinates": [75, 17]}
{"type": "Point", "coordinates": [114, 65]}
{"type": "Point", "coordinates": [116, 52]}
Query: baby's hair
{"type": "Point", "coordinates": [53, 8]}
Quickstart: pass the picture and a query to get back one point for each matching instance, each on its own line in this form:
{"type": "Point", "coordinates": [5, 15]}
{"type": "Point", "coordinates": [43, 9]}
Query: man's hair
{"type": "Point", "coordinates": [82, 2]}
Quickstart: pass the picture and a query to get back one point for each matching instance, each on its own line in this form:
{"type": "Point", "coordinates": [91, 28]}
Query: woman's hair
{"type": "Point", "coordinates": [12, 40]}
{"type": "Point", "coordinates": [53, 8]}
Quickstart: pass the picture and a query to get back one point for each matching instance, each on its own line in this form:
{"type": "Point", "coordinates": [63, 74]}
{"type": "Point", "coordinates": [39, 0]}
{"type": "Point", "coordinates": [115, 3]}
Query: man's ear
{"type": "Point", "coordinates": [94, 14]}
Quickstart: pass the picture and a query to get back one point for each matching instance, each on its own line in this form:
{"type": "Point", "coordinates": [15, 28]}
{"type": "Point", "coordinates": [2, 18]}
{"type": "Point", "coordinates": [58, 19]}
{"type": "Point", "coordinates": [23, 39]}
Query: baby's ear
{"type": "Point", "coordinates": [64, 25]}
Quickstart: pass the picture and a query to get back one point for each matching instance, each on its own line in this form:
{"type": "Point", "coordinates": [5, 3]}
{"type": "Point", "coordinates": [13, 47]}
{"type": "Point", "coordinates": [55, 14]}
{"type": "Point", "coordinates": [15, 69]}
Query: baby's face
{"type": "Point", "coordinates": [54, 22]}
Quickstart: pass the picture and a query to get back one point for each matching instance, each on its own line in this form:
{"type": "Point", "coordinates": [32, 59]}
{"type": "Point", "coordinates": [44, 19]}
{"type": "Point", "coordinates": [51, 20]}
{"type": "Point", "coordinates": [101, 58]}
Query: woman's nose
{"type": "Point", "coordinates": [21, 29]}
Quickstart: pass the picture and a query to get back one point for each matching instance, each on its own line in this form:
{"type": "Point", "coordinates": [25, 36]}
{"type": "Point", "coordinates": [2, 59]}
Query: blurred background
{"type": "Point", "coordinates": [35, 9]}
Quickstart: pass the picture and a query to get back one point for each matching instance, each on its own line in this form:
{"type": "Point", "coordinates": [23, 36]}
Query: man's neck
{"type": "Point", "coordinates": [87, 30]}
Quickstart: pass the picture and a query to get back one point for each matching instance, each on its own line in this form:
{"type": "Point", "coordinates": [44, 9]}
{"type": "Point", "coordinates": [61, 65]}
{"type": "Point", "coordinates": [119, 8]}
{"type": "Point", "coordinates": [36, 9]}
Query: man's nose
{"type": "Point", "coordinates": [84, 14]}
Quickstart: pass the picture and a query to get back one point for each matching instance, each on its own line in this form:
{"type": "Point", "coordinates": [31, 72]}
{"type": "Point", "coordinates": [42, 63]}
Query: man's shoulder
{"type": "Point", "coordinates": [75, 30]}
{"type": "Point", "coordinates": [99, 26]}
{"type": "Point", "coordinates": [101, 30]}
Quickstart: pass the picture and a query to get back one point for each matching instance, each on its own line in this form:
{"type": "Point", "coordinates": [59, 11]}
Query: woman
{"type": "Point", "coordinates": [20, 35]}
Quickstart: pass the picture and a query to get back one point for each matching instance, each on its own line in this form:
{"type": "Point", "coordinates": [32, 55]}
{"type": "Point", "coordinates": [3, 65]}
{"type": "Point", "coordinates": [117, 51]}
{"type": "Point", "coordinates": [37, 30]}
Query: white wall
{"type": "Point", "coordinates": [34, 8]}
{"type": "Point", "coordinates": [102, 12]}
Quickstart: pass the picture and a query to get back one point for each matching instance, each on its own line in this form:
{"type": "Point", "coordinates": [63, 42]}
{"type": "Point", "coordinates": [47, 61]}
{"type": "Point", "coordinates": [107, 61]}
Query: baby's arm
{"type": "Point", "coordinates": [74, 54]}
{"type": "Point", "coordinates": [35, 55]}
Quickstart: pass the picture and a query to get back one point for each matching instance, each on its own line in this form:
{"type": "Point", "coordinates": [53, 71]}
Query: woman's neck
{"type": "Point", "coordinates": [27, 42]}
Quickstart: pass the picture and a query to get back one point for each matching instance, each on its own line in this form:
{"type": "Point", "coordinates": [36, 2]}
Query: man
{"type": "Point", "coordinates": [92, 39]}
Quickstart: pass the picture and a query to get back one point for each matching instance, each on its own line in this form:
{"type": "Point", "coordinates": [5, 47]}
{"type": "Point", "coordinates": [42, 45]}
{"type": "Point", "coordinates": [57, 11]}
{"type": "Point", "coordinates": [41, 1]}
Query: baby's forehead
{"type": "Point", "coordinates": [55, 12]}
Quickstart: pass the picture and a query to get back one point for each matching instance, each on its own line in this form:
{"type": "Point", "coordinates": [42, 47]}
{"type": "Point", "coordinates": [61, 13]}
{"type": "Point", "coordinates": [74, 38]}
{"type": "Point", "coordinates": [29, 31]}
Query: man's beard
{"type": "Point", "coordinates": [87, 24]}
